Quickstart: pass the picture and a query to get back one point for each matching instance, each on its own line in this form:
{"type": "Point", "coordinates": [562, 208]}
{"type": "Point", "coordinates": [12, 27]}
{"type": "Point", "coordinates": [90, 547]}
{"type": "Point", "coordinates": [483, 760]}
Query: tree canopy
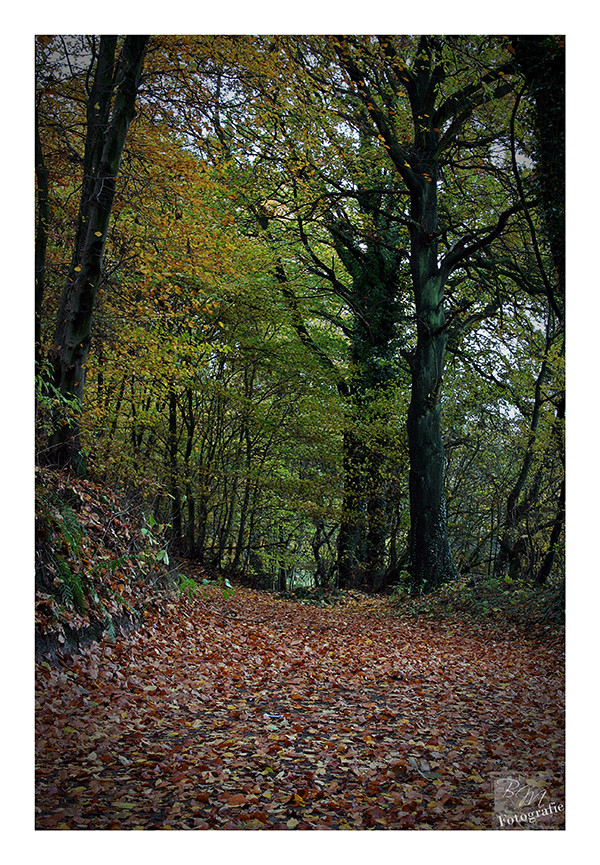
{"type": "Point", "coordinates": [302, 298]}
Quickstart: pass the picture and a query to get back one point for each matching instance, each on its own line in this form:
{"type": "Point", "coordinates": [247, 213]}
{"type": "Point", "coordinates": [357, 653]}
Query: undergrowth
{"type": "Point", "coordinates": [96, 565]}
{"type": "Point", "coordinates": [508, 601]}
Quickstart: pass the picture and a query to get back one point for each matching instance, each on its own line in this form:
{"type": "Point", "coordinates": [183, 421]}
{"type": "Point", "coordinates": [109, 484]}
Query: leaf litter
{"type": "Point", "coordinates": [259, 713]}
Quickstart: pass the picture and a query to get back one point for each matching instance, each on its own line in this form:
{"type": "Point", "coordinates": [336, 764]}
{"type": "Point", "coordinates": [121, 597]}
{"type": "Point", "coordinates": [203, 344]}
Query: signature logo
{"type": "Point", "coordinates": [519, 801]}
{"type": "Point", "coordinates": [520, 794]}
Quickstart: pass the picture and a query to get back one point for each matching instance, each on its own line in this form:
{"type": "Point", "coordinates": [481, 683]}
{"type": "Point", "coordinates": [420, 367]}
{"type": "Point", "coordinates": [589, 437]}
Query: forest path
{"type": "Point", "coordinates": [262, 713]}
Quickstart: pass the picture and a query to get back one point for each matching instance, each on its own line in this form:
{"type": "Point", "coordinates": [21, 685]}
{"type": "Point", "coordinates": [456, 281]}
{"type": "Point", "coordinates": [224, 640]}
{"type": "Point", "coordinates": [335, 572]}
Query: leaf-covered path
{"type": "Point", "coordinates": [263, 713]}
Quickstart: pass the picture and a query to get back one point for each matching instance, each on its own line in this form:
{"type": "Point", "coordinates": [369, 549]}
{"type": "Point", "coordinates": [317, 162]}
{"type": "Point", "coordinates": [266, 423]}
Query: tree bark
{"type": "Point", "coordinates": [431, 557]}
{"type": "Point", "coordinates": [173, 470]}
{"type": "Point", "coordinates": [514, 509]}
{"type": "Point", "coordinates": [548, 562]}
{"type": "Point", "coordinates": [542, 62]}
{"type": "Point", "coordinates": [351, 533]}
{"type": "Point", "coordinates": [74, 321]}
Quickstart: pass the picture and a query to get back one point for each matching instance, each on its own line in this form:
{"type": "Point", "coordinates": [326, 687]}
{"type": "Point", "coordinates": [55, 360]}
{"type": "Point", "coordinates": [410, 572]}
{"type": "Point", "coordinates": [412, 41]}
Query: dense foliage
{"type": "Point", "coordinates": [326, 315]}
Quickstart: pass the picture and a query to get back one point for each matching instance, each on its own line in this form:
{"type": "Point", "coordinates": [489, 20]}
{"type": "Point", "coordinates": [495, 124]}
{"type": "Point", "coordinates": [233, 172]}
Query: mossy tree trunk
{"type": "Point", "coordinates": [437, 112]}
{"type": "Point", "coordinates": [373, 260]}
{"type": "Point", "coordinates": [432, 562]}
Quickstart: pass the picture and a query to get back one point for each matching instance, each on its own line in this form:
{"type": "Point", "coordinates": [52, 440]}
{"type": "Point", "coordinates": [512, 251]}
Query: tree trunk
{"type": "Point", "coordinates": [515, 510]}
{"type": "Point", "coordinates": [350, 535]}
{"type": "Point", "coordinates": [74, 321]}
{"type": "Point", "coordinates": [41, 236]}
{"type": "Point", "coordinates": [191, 522]}
{"type": "Point", "coordinates": [542, 61]}
{"type": "Point", "coordinates": [173, 471]}
{"type": "Point", "coordinates": [432, 562]}
{"type": "Point", "coordinates": [548, 562]}
{"type": "Point", "coordinates": [431, 557]}
{"type": "Point", "coordinates": [418, 165]}
{"type": "Point", "coordinates": [202, 527]}
{"type": "Point", "coordinates": [377, 533]}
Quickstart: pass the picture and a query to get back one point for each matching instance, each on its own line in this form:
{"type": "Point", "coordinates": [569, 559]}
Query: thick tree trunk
{"type": "Point", "coordinates": [431, 557]}
{"type": "Point", "coordinates": [364, 530]}
{"type": "Point", "coordinates": [322, 571]}
{"type": "Point", "coordinates": [542, 61]}
{"type": "Point", "coordinates": [365, 526]}
{"type": "Point", "coordinates": [74, 322]}
{"type": "Point", "coordinates": [418, 166]}
{"type": "Point", "coordinates": [97, 122]}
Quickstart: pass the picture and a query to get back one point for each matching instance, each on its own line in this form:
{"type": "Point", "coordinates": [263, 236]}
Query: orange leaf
{"type": "Point", "coordinates": [237, 800]}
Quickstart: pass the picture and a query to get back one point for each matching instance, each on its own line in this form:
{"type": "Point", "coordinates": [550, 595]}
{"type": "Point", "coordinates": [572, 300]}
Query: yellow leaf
{"type": "Point", "coordinates": [98, 233]}
{"type": "Point", "coordinates": [78, 268]}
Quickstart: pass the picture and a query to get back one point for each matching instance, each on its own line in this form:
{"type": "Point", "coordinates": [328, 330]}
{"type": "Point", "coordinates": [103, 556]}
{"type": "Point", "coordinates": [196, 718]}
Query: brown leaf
{"type": "Point", "coordinates": [237, 800]}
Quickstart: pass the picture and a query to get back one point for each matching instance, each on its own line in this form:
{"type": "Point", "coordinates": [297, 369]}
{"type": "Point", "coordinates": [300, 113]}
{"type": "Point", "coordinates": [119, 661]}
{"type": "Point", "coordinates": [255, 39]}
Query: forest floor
{"type": "Point", "coordinates": [257, 712]}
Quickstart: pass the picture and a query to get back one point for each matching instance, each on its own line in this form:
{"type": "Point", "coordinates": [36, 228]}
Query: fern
{"type": "Point", "coordinates": [72, 529]}
{"type": "Point", "coordinates": [72, 590]}
{"type": "Point", "coordinates": [110, 627]}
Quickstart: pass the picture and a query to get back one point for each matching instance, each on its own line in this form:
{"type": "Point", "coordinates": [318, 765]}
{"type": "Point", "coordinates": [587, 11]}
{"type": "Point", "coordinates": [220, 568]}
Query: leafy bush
{"type": "Point", "coordinates": [500, 600]}
{"type": "Point", "coordinates": [223, 583]}
{"type": "Point", "coordinates": [51, 408]}
{"type": "Point", "coordinates": [188, 587]}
